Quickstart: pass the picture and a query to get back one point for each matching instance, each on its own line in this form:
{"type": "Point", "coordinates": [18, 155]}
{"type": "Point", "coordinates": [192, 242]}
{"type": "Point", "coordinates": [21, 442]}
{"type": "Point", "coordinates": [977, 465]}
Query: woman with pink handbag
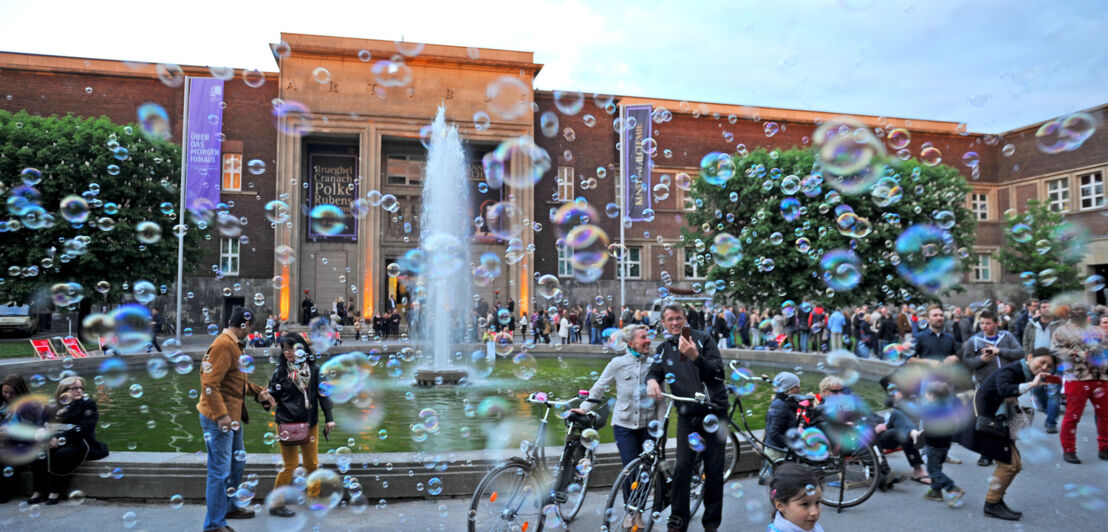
{"type": "Point", "coordinates": [295, 387]}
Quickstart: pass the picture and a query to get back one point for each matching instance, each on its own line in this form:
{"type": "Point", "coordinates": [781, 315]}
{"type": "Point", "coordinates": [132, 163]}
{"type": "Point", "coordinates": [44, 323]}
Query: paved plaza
{"type": "Point", "coordinates": [1052, 494]}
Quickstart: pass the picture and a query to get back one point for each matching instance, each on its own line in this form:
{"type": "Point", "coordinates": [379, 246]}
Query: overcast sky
{"type": "Point", "coordinates": [996, 65]}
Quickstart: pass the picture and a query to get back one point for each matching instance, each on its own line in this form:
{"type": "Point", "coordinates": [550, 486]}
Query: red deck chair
{"type": "Point", "coordinates": [43, 349]}
{"type": "Point", "coordinates": [76, 350]}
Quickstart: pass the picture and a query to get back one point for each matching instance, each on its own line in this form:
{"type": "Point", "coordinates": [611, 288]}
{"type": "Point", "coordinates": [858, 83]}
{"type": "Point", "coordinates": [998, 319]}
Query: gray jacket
{"type": "Point", "coordinates": [1010, 351]}
{"type": "Point", "coordinates": [628, 373]}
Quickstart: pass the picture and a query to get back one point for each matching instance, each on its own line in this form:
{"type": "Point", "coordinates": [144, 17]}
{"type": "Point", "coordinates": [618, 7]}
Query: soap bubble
{"type": "Point", "coordinates": [1021, 233]}
{"type": "Point", "coordinates": [898, 138]}
{"type": "Point", "coordinates": [816, 445]}
{"type": "Point", "coordinates": [327, 220]}
{"type": "Point", "coordinates": [148, 232]}
{"type": "Point", "coordinates": [790, 209]}
{"type": "Point", "coordinates": [133, 330]}
{"type": "Point", "coordinates": [925, 259]}
{"type": "Point", "coordinates": [346, 375]}
{"type": "Point", "coordinates": [717, 168]}
{"type": "Point", "coordinates": [518, 162]}
{"type": "Point", "coordinates": [524, 365]}
{"type": "Point", "coordinates": [154, 121]}
{"type": "Point", "coordinates": [1065, 133]}
{"type": "Point", "coordinates": [696, 442]}
{"type": "Point", "coordinates": [841, 269]}
{"type": "Point", "coordinates": [509, 97]}
{"type": "Point", "coordinates": [726, 250]}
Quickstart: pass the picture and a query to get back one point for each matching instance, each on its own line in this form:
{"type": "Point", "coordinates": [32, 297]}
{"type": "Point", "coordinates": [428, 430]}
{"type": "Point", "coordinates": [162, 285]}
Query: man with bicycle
{"type": "Point", "coordinates": [690, 362]}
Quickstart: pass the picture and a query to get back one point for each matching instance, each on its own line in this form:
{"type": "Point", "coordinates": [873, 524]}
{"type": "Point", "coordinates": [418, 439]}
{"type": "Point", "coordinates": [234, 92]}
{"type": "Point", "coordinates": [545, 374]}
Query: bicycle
{"type": "Point", "coordinates": [855, 474]}
{"type": "Point", "coordinates": [521, 494]}
{"type": "Point", "coordinates": [648, 480]}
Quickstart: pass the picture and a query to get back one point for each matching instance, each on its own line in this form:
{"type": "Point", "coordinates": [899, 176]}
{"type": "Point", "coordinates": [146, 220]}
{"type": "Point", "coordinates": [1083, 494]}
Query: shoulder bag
{"type": "Point", "coordinates": [292, 433]}
{"type": "Point", "coordinates": [993, 426]}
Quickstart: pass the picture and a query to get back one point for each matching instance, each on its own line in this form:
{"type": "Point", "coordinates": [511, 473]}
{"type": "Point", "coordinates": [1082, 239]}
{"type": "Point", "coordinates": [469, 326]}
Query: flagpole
{"type": "Point", "coordinates": [622, 266]}
{"type": "Point", "coordinates": [183, 219]}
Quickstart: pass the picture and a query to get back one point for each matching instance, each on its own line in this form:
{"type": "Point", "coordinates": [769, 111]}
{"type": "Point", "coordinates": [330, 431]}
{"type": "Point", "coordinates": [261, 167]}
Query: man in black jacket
{"type": "Point", "coordinates": [690, 366]}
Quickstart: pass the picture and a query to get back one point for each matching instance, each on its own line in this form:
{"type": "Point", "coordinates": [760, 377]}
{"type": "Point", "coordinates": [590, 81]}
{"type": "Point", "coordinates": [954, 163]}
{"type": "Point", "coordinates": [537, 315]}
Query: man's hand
{"type": "Point", "coordinates": [266, 399]}
{"type": "Point", "coordinates": [578, 411]}
{"type": "Point", "coordinates": [653, 390]}
{"type": "Point", "coordinates": [687, 347]}
{"type": "Point", "coordinates": [881, 427]}
{"type": "Point", "coordinates": [224, 423]}
{"type": "Point", "coordinates": [989, 353]}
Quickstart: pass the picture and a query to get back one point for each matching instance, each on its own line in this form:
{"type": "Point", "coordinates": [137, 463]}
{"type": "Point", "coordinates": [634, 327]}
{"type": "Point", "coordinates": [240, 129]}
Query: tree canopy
{"type": "Point", "coordinates": [91, 209]}
{"type": "Point", "coordinates": [776, 231]}
{"type": "Point", "coordinates": [1043, 249]}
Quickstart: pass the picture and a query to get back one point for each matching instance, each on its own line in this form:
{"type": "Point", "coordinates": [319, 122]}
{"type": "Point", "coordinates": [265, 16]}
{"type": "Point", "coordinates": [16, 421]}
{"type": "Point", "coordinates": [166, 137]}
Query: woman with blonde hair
{"type": "Point", "coordinates": [68, 449]}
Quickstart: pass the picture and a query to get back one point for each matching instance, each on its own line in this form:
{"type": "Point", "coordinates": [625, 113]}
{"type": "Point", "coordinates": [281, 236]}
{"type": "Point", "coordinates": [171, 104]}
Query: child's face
{"type": "Point", "coordinates": [802, 510]}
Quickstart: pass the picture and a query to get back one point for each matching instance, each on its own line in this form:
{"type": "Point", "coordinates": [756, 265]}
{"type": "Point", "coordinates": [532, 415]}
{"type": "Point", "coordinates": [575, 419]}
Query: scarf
{"type": "Point", "coordinates": [301, 376]}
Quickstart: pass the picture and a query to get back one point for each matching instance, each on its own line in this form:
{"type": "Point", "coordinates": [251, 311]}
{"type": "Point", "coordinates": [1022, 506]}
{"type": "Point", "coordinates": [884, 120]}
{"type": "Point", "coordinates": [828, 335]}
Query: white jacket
{"type": "Point", "coordinates": [633, 409]}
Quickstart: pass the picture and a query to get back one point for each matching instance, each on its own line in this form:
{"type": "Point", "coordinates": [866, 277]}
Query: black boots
{"type": "Point", "coordinates": [1000, 510]}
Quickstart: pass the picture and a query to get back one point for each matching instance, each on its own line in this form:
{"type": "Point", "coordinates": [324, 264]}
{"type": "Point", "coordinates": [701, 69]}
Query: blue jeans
{"type": "Point", "coordinates": [935, 458]}
{"type": "Point", "coordinates": [1047, 397]}
{"type": "Point", "coordinates": [861, 349]}
{"type": "Point", "coordinates": [804, 343]}
{"type": "Point", "coordinates": [594, 335]}
{"type": "Point", "coordinates": [629, 442]}
{"type": "Point", "coordinates": [223, 471]}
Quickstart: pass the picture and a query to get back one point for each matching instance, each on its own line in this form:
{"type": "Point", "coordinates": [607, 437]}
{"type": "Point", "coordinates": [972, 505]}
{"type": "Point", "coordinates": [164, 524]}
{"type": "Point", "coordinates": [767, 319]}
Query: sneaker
{"type": "Point", "coordinates": [1071, 458]}
{"type": "Point", "coordinates": [1102, 454]}
{"type": "Point", "coordinates": [954, 497]}
{"type": "Point", "coordinates": [984, 462]}
{"type": "Point", "coordinates": [239, 513]}
{"type": "Point", "coordinates": [933, 495]}
{"type": "Point", "coordinates": [1051, 429]}
{"type": "Point", "coordinates": [952, 460]}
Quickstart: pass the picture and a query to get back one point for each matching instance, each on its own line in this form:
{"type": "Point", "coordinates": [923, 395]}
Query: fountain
{"type": "Point", "coordinates": [444, 235]}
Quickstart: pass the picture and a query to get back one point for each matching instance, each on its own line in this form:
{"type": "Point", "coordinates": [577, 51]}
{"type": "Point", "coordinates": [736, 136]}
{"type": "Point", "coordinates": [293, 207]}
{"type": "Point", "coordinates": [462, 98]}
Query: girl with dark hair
{"type": "Point", "coordinates": [295, 387]}
{"type": "Point", "coordinates": [795, 494]}
{"type": "Point", "coordinates": [13, 387]}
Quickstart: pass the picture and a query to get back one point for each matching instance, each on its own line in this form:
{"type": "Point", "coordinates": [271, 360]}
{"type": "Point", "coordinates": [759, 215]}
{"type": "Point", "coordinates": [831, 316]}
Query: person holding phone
{"type": "Point", "coordinates": [690, 363]}
{"type": "Point", "coordinates": [295, 387]}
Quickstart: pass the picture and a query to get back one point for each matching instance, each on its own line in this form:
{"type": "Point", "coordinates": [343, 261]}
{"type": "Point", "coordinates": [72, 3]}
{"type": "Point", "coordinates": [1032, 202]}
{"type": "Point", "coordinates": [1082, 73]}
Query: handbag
{"type": "Point", "coordinates": [1023, 418]}
{"type": "Point", "coordinates": [992, 426]}
{"type": "Point", "coordinates": [292, 433]}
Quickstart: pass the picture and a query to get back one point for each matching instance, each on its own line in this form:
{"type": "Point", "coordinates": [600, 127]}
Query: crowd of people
{"type": "Point", "coordinates": [1053, 354]}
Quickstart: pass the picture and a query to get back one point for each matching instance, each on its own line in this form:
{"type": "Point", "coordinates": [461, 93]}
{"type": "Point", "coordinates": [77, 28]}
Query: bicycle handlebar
{"type": "Point", "coordinates": [539, 398]}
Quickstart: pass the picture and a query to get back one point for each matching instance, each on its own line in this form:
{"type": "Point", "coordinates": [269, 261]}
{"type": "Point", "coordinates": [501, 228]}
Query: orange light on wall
{"type": "Point", "coordinates": [367, 285]}
{"type": "Point", "coordinates": [286, 296]}
{"type": "Point", "coordinates": [524, 289]}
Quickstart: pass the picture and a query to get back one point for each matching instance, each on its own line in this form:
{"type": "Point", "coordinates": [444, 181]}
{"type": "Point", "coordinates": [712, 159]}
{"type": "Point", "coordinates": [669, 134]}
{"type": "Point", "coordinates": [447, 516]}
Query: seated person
{"type": "Point", "coordinates": [898, 430]}
{"type": "Point", "coordinates": [781, 415]}
{"type": "Point", "coordinates": [69, 449]}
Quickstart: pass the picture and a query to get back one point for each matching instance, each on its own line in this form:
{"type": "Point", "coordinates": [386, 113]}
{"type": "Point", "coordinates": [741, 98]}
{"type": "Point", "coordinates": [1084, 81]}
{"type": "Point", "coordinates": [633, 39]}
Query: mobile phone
{"type": "Point", "coordinates": [1052, 379]}
{"type": "Point", "coordinates": [686, 331]}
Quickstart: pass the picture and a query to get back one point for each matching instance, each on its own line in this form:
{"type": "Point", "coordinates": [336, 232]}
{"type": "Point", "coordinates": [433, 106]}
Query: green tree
{"type": "Point", "coordinates": [774, 265]}
{"type": "Point", "coordinates": [1043, 249]}
{"type": "Point", "coordinates": [114, 174]}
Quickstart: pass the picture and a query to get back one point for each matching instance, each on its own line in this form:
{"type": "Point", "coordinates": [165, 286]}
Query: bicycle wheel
{"type": "Point", "coordinates": [731, 456]}
{"type": "Point", "coordinates": [849, 479]}
{"type": "Point", "coordinates": [578, 487]}
{"type": "Point", "coordinates": [634, 513]}
{"type": "Point", "coordinates": [508, 498]}
{"type": "Point", "coordinates": [696, 488]}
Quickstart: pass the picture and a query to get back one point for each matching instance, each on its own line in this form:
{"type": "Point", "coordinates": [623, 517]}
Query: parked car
{"type": "Point", "coordinates": [18, 319]}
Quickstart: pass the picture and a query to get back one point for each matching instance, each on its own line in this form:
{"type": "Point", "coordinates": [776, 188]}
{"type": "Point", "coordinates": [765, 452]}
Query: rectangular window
{"type": "Point", "coordinates": [232, 172]}
{"type": "Point", "coordinates": [1092, 190]}
{"type": "Point", "coordinates": [404, 170]}
{"type": "Point", "coordinates": [983, 270]}
{"type": "Point", "coordinates": [565, 183]}
{"type": "Point", "coordinates": [1058, 194]}
{"type": "Point", "coordinates": [688, 203]}
{"type": "Point", "coordinates": [979, 203]}
{"type": "Point", "coordinates": [229, 256]}
{"type": "Point", "coordinates": [633, 260]}
{"type": "Point", "coordinates": [565, 269]}
{"type": "Point", "coordinates": [695, 268]}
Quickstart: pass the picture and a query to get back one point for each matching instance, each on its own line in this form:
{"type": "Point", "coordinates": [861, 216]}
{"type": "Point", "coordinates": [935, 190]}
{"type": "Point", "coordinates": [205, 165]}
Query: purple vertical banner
{"type": "Point", "coordinates": [203, 161]}
{"type": "Point", "coordinates": [636, 162]}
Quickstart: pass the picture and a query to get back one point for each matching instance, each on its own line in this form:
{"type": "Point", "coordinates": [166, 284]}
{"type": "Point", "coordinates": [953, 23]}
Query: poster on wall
{"type": "Point", "coordinates": [331, 185]}
{"type": "Point", "coordinates": [636, 162]}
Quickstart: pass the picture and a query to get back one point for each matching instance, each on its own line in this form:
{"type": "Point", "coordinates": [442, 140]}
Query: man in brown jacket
{"type": "Point", "coordinates": [904, 324]}
{"type": "Point", "coordinates": [222, 412]}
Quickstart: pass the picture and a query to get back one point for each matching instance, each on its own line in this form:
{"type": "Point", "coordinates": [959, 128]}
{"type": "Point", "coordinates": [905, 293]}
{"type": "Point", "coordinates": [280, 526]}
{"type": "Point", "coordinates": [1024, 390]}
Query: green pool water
{"type": "Point", "coordinates": [164, 417]}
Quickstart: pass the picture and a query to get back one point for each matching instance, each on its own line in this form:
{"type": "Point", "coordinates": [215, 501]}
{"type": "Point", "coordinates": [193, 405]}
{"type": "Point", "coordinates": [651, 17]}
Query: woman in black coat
{"type": "Point", "coordinates": [295, 388]}
{"type": "Point", "coordinates": [68, 449]}
{"type": "Point", "coordinates": [994, 398]}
